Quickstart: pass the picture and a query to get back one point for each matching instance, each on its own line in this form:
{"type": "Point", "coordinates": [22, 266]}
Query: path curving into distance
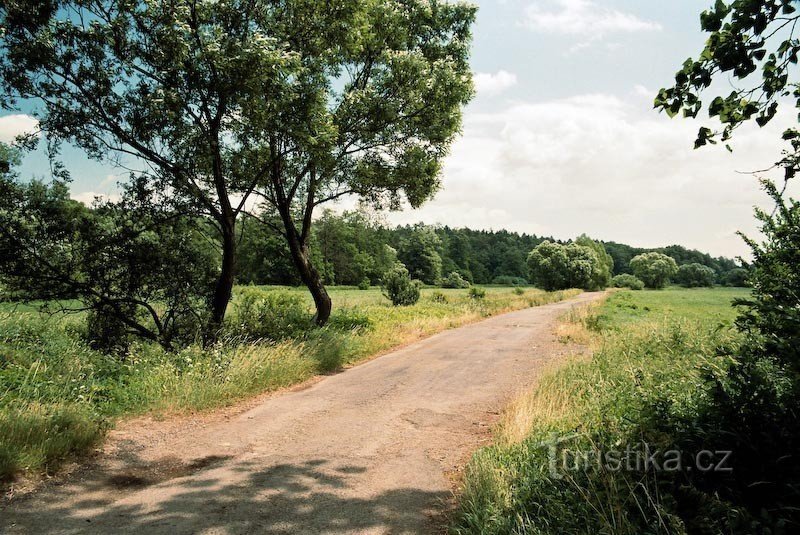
{"type": "Point", "coordinates": [374, 449]}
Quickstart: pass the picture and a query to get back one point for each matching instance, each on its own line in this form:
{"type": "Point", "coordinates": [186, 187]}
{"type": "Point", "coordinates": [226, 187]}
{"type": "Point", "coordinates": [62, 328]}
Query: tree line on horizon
{"type": "Point", "coordinates": [355, 248]}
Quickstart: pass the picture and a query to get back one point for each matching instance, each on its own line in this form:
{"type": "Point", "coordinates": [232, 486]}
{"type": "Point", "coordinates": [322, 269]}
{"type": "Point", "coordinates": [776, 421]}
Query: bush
{"type": "Point", "coordinates": [364, 284]}
{"type": "Point", "coordinates": [519, 291]}
{"type": "Point", "coordinates": [477, 293]}
{"type": "Point", "coordinates": [269, 315]}
{"type": "Point", "coordinates": [438, 297]}
{"type": "Point", "coordinates": [737, 277]}
{"type": "Point", "coordinates": [349, 319]}
{"type": "Point", "coordinates": [695, 276]}
{"type": "Point", "coordinates": [455, 280]}
{"type": "Point", "coordinates": [627, 281]}
{"type": "Point", "coordinates": [559, 267]}
{"type": "Point", "coordinates": [399, 288]}
{"type": "Point", "coordinates": [654, 269]}
{"type": "Point", "coordinates": [508, 280]}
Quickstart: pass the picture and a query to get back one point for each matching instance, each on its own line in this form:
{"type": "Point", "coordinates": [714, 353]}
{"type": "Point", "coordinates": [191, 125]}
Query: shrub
{"type": "Point", "coordinates": [519, 291]}
{"type": "Point", "coordinates": [270, 315]}
{"type": "Point", "coordinates": [654, 269]}
{"type": "Point", "coordinates": [695, 276]}
{"type": "Point", "coordinates": [737, 277]}
{"type": "Point", "coordinates": [626, 280]}
{"type": "Point", "coordinates": [477, 293]}
{"type": "Point", "coordinates": [438, 297]}
{"type": "Point", "coordinates": [508, 280]}
{"type": "Point", "coordinates": [455, 280]}
{"type": "Point", "coordinates": [349, 319]}
{"type": "Point", "coordinates": [399, 288]}
{"type": "Point", "coordinates": [558, 267]}
{"type": "Point", "coordinates": [364, 284]}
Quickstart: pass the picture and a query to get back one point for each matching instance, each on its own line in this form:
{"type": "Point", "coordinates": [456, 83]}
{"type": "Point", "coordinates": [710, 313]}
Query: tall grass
{"type": "Point", "coordinates": [644, 348]}
{"type": "Point", "coordinates": [58, 396]}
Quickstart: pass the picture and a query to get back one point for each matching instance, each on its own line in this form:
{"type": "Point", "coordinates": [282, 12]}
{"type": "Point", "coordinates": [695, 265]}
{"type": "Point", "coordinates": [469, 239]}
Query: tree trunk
{"type": "Point", "coordinates": [224, 288]}
{"type": "Point", "coordinates": [311, 278]}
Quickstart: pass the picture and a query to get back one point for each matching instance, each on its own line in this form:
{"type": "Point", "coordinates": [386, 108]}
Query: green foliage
{"type": "Point", "coordinates": [654, 269]}
{"type": "Point", "coordinates": [364, 284]}
{"type": "Point", "coordinates": [454, 280]}
{"type": "Point", "coordinates": [519, 291]}
{"type": "Point", "coordinates": [477, 293]}
{"type": "Point", "coordinates": [737, 277]}
{"type": "Point", "coordinates": [557, 267]}
{"type": "Point", "coordinates": [438, 297]}
{"type": "Point", "coordinates": [601, 275]}
{"type": "Point", "coordinates": [268, 315]}
{"type": "Point", "coordinates": [350, 320]}
{"type": "Point", "coordinates": [695, 276]}
{"type": "Point", "coordinates": [754, 43]}
{"type": "Point", "coordinates": [354, 247]}
{"type": "Point", "coordinates": [752, 406]}
{"type": "Point", "coordinates": [627, 281]}
{"type": "Point", "coordinates": [140, 269]}
{"type": "Point", "coordinates": [399, 288]}
{"type": "Point", "coordinates": [419, 252]}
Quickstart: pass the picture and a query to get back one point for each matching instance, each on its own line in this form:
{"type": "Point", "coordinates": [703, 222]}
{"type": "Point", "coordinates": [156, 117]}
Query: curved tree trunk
{"type": "Point", "coordinates": [310, 277]}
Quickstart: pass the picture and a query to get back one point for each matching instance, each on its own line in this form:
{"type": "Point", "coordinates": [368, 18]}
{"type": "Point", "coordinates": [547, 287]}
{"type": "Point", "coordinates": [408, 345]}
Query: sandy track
{"type": "Point", "coordinates": [371, 450]}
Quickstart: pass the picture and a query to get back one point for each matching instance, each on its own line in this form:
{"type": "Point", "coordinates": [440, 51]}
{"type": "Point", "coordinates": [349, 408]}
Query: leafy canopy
{"type": "Point", "coordinates": [654, 269]}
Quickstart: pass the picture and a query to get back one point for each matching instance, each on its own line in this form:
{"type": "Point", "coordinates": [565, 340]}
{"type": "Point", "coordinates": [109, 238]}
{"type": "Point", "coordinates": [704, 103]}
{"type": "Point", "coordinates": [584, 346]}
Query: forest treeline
{"type": "Point", "coordinates": [355, 247]}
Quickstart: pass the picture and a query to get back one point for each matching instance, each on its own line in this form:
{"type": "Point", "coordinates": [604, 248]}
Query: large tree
{"type": "Point", "coordinates": [298, 102]}
{"type": "Point", "coordinates": [369, 110]}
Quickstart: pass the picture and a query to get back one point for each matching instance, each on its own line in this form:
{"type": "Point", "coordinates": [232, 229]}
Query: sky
{"type": "Point", "coordinates": [562, 138]}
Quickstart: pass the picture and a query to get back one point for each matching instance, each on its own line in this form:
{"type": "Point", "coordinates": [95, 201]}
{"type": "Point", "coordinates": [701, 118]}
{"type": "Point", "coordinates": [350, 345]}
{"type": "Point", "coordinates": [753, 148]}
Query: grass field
{"type": "Point", "coordinates": [649, 351]}
{"type": "Point", "coordinates": [58, 396]}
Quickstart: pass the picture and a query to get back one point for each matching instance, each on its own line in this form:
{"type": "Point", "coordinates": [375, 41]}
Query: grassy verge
{"type": "Point", "coordinates": [541, 475]}
{"type": "Point", "coordinates": [58, 396]}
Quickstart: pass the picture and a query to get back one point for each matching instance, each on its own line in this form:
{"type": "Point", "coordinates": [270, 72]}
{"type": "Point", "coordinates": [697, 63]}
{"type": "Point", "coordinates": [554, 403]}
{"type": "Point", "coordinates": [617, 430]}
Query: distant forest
{"type": "Point", "coordinates": [354, 247]}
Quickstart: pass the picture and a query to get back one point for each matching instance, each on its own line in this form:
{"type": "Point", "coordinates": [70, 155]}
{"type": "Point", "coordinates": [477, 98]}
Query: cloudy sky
{"type": "Point", "coordinates": [562, 138]}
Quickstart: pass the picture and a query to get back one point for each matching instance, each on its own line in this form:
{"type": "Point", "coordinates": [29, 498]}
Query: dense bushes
{"type": "Point", "coordinates": [737, 277]}
{"type": "Point", "coordinates": [627, 281]}
{"type": "Point", "coordinates": [557, 267]}
{"type": "Point", "coordinates": [270, 315]}
{"type": "Point", "coordinates": [454, 280]}
{"type": "Point", "coordinates": [399, 288]}
{"type": "Point", "coordinates": [654, 269]}
{"type": "Point", "coordinates": [695, 276]}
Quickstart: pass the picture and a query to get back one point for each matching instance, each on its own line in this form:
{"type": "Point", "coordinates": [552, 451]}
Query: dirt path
{"type": "Point", "coordinates": [374, 449]}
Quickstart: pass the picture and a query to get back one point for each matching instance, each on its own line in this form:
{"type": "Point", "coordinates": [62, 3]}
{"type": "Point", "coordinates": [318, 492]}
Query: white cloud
{"type": "Point", "coordinates": [494, 83]}
{"type": "Point", "coordinates": [13, 125]}
{"type": "Point", "coordinates": [604, 165]}
{"type": "Point", "coordinates": [584, 18]}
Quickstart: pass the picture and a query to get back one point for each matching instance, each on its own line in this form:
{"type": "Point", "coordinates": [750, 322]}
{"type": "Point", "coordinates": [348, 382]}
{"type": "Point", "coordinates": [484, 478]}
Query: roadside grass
{"type": "Point", "coordinates": [644, 348]}
{"type": "Point", "coordinates": [58, 397]}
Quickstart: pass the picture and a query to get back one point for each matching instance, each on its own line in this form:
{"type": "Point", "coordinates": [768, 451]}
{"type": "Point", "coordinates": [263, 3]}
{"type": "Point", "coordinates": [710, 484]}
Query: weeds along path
{"type": "Point", "coordinates": [375, 449]}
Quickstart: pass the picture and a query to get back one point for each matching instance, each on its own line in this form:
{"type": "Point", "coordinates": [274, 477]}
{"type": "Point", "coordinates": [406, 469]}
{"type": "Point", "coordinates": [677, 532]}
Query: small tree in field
{"type": "Point", "coordinates": [695, 276]}
{"type": "Point", "coordinates": [399, 288]}
{"type": "Point", "coordinates": [654, 269]}
{"type": "Point", "coordinates": [557, 267]}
